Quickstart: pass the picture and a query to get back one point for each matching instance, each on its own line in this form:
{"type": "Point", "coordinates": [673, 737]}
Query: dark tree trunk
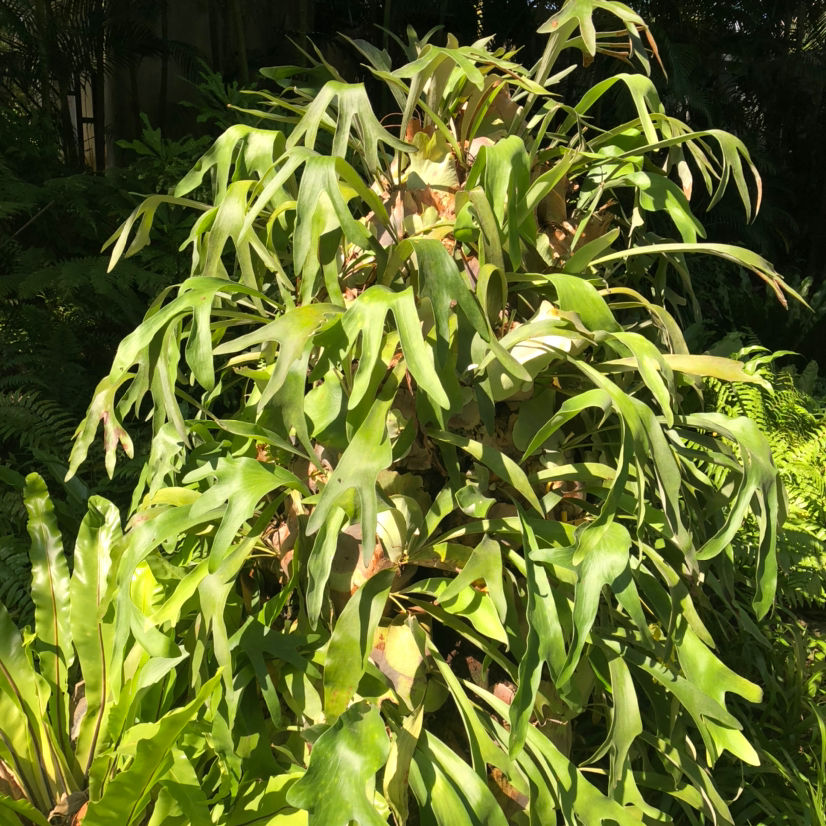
{"type": "Point", "coordinates": [48, 70]}
{"type": "Point", "coordinates": [164, 86]}
{"type": "Point", "coordinates": [79, 117]}
{"type": "Point", "coordinates": [387, 20]}
{"type": "Point", "coordinates": [305, 16]}
{"type": "Point", "coordinates": [99, 117]}
{"type": "Point", "coordinates": [135, 98]}
{"type": "Point", "coordinates": [99, 84]}
{"type": "Point", "coordinates": [240, 41]}
{"type": "Point", "coordinates": [216, 25]}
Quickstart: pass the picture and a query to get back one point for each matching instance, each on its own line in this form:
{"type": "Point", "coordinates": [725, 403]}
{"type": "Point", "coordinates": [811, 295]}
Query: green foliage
{"type": "Point", "coordinates": [14, 591]}
{"type": "Point", "coordinates": [35, 433]}
{"type": "Point", "coordinates": [61, 315]}
{"type": "Point", "coordinates": [429, 489]}
{"type": "Point", "coordinates": [744, 67]}
{"type": "Point", "coordinates": [34, 423]}
{"type": "Point", "coordinates": [162, 161]}
{"type": "Point", "coordinates": [794, 424]}
{"type": "Point", "coordinates": [214, 98]}
{"type": "Point", "coordinates": [787, 655]}
{"type": "Point", "coordinates": [784, 653]}
{"type": "Point", "coordinates": [729, 301]}
{"type": "Point", "coordinates": [90, 716]}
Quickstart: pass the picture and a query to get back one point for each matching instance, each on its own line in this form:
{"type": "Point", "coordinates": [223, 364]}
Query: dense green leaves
{"type": "Point", "coordinates": [352, 642]}
{"type": "Point", "coordinates": [58, 747]}
{"type": "Point", "coordinates": [127, 795]}
{"type": "Point", "coordinates": [427, 458]}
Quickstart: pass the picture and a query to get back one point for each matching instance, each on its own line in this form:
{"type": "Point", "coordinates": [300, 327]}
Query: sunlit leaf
{"type": "Point", "coordinates": [152, 761]}
{"type": "Point", "coordinates": [50, 593]}
{"type": "Point", "coordinates": [334, 797]}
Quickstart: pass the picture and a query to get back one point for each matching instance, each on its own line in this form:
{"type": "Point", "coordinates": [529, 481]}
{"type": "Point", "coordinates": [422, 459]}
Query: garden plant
{"type": "Point", "coordinates": [432, 501]}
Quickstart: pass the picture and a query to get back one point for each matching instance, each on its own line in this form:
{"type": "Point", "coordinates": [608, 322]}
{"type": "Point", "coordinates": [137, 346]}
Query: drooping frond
{"type": "Point", "coordinates": [794, 421]}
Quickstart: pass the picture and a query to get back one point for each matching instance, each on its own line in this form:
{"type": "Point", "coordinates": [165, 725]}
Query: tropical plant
{"type": "Point", "coordinates": [90, 718]}
{"type": "Point", "coordinates": [429, 458]}
{"type": "Point", "coordinates": [162, 161]}
{"type": "Point", "coordinates": [62, 316]}
{"type": "Point", "coordinates": [794, 424]}
{"type": "Point", "coordinates": [787, 656]}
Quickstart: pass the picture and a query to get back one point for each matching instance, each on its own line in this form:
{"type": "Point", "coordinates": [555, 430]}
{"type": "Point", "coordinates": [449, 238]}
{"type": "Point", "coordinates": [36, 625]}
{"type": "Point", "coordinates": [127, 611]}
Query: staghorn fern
{"type": "Point", "coordinates": [61, 314]}
{"type": "Point", "coordinates": [412, 365]}
{"type": "Point", "coordinates": [794, 422]}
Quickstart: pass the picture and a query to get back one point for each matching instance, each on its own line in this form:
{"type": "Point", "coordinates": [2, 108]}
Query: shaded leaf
{"type": "Point", "coordinates": [352, 641]}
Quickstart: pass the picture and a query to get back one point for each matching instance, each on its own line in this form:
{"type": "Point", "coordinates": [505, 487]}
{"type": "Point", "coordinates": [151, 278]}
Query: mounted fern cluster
{"type": "Point", "coordinates": [794, 424]}
{"type": "Point", "coordinates": [429, 477]}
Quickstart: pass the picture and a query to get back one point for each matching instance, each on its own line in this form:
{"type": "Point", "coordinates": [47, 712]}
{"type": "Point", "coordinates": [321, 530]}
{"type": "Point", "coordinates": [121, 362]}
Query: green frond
{"type": "Point", "coordinates": [15, 575]}
{"type": "Point", "coordinates": [794, 422]}
{"type": "Point", "coordinates": [33, 422]}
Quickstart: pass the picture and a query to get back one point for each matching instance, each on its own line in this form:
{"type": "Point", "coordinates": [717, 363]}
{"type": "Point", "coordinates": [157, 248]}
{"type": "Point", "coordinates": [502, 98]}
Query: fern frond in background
{"type": "Point", "coordinates": [33, 423]}
{"type": "Point", "coordinates": [793, 416]}
{"type": "Point", "coordinates": [15, 566]}
{"type": "Point", "coordinates": [61, 318]}
{"type": "Point", "coordinates": [14, 584]}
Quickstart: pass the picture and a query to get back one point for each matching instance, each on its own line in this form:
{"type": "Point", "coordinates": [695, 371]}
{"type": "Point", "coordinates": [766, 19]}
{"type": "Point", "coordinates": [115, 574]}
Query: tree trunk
{"type": "Point", "coordinates": [49, 70]}
{"type": "Point", "coordinates": [135, 98]}
{"type": "Point", "coordinates": [305, 17]}
{"type": "Point", "coordinates": [99, 89]}
{"type": "Point", "coordinates": [216, 25]}
{"type": "Point", "coordinates": [387, 19]}
{"type": "Point", "coordinates": [164, 87]}
{"type": "Point", "coordinates": [79, 117]}
{"type": "Point", "coordinates": [240, 41]}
